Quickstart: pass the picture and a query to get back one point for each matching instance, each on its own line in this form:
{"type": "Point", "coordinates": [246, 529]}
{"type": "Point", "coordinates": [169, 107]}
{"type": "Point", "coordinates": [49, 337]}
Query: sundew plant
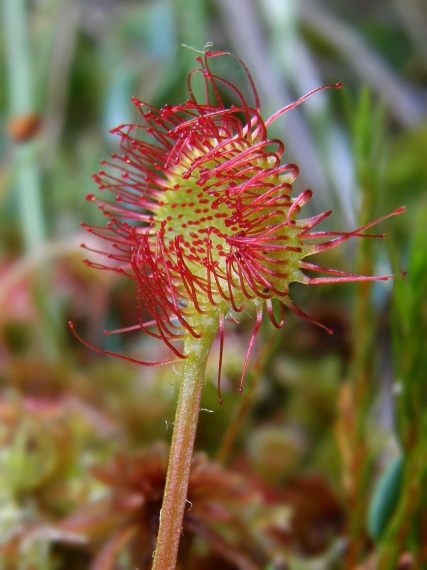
{"type": "Point", "coordinates": [215, 272]}
{"type": "Point", "coordinates": [202, 216]}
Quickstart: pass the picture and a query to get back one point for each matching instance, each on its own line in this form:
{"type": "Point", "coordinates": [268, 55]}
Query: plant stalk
{"type": "Point", "coordinates": [181, 454]}
{"type": "Point", "coordinates": [21, 102]}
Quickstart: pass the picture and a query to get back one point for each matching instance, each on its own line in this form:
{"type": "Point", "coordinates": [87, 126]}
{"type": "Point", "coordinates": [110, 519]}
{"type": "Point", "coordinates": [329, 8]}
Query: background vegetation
{"type": "Point", "coordinates": [322, 462]}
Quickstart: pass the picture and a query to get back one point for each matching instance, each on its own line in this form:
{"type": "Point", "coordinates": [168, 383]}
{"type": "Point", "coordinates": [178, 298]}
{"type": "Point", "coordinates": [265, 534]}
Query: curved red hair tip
{"type": "Point", "coordinates": [115, 354]}
{"type": "Point", "coordinates": [398, 211]}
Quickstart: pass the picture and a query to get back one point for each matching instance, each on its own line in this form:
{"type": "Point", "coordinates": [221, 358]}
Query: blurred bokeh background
{"type": "Point", "coordinates": [322, 462]}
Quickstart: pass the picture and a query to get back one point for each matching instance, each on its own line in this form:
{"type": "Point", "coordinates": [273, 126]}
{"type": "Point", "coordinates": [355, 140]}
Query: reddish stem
{"type": "Point", "coordinates": [184, 433]}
